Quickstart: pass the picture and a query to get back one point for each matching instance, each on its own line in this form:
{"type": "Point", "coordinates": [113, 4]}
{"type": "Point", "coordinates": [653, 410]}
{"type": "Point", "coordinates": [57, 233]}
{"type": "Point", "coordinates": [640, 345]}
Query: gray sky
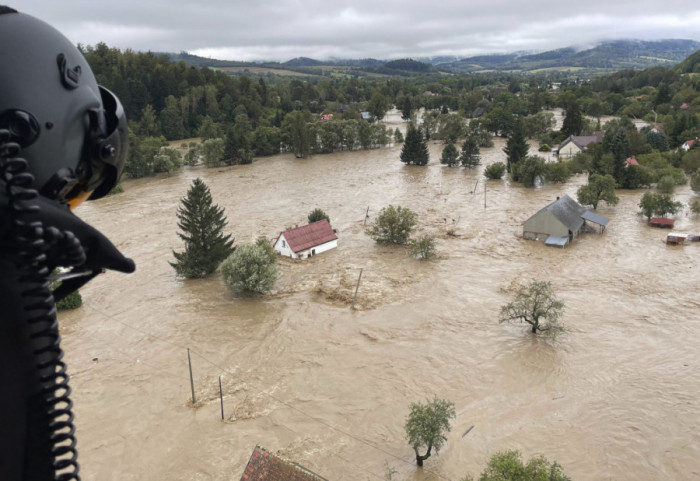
{"type": "Point", "coordinates": [382, 29]}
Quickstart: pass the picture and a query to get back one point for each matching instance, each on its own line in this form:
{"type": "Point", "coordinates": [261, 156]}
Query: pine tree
{"type": "Point", "coordinates": [516, 147]}
{"type": "Point", "coordinates": [414, 150]}
{"type": "Point", "coordinates": [470, 156]}
{"type": "Point", "coordinates": [449, 155]}
{"type": "Point", "coordinates": [201, 223]}
{"type": "Point", "coordinates": [573, 120]}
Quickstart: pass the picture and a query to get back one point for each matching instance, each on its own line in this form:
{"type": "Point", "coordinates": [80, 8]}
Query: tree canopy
{"type": "Point", "coordinates": [536, 305]}
{"type": "Point", "coordinates": [426, 426]}
{"type": "Point", "coordinates": [394, 225]}
{"type": "Point", "coordinates": [252, 268]}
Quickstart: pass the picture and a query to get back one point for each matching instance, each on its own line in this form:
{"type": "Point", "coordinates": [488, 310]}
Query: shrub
{"type": "Point", "coordinates": [72, 301]}
{"type": "Point", "coordinates": [545, 148]}
{"type": "Point", "coordinates": [117, 189]}
{"type": "Point", "coordinates": [558, 172]}
{"type": "Point", "coordinates": [394, 225]}
{"type": "Point", "coordinates": [167, 160]}
{"type": "Point", "coordinates": [666, 184]}
{"type": "Point", "coordinates": [317, 215]}
{"type": "Point", "coordinates": [508, 466]}
{"type": "Point", "coordinates": [495, 171]}
{"type": "Point", "coordinates": [423, 248]}
{"type": "Point", "coordinates": [695, 206]}
{"type": "Point", "coordinates": [251, 268]}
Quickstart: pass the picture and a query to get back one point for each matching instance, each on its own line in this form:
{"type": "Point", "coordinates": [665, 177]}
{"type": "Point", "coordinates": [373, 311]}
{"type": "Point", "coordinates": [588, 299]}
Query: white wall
{"type": "Point", "coordinates": [282, 247]}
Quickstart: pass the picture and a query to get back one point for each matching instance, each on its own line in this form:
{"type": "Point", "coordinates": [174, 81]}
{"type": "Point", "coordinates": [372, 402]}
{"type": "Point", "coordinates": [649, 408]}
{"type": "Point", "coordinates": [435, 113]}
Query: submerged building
{"type": "Point", "coordinates": [561, 222]}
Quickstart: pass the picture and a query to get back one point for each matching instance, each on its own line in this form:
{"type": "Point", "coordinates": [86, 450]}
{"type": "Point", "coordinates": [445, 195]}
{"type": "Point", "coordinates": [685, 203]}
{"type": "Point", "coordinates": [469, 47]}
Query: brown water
{"type": "Point", "coordinates": [329, 386]}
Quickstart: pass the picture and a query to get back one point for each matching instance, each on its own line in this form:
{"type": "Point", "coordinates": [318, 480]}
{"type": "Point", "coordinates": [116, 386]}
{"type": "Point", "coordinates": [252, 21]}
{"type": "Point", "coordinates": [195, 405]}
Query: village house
{"type": "Point", "coordinates": [265, 466]}
{"type": "Point", "coordinates": [307, 240]}
{"type": "Point", "coordinates": [575, 144]}
{"type": "Point", "coordinates": [561, 222]}
{"type": "Point", "coordinates": [631, 161]}
{"type": "Point", "coordinates": [687, 145]}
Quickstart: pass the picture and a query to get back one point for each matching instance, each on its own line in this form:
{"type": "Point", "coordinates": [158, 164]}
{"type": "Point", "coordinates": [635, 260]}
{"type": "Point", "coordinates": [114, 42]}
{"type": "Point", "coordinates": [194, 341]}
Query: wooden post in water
{"type": "Point", "coordinates": [357, 287]}
{"type": "Point", "coordinates": [475, 184]}
{"type": "Point", "coordinates": [221, 396]}
{"type": "Point", "coordinates": [484, 195]}
{"type": "Point", "coordinates": [189, 361]}
{"type": "Point", "coordinates": [366, 216]}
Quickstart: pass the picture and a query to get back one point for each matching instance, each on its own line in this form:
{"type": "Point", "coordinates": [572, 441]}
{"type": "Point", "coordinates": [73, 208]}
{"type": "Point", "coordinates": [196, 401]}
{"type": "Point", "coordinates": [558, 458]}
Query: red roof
{"type": "Point", "coordinates": [632, 161]}
{"type": "Point", "coordinates": [661, 221]}
{"type": "Point", "coordinates": [310, 235]}
{"type": "Point", "coordinates": [265, 466]}
{"type": "Point", "coordinates": [689, 143]}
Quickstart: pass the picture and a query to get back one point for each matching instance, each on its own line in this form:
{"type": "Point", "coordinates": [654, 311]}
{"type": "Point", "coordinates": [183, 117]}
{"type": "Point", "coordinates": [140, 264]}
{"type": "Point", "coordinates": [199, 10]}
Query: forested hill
{"type": "Point", "coordinates": [607, 56]}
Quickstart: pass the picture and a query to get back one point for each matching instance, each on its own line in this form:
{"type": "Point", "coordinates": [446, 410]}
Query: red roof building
{"type": "Point", "coordinates": [631, 161]}
{"type": "Point", "coordinates": [662, 222]}
{"type": "Point", "coordinates": [687, 145]}
{"type": "Point", "coordinates": [265, 466]}
{"type": "Point", "coordinates": [307, 240]}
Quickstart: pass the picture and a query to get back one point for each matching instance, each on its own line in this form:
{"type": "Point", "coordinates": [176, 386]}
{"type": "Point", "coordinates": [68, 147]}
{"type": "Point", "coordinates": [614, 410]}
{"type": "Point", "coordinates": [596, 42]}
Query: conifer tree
{"type": "Point", "coordinates": [414, 150]}
{"type": "Point", "coordinates": [201, 223]}
{"type": "Point", "coordinates": [516, 147]}
{"type": "Point", "coordinates": [449, 155]}
{"type": "Point", "coordinates": [471, 154]}
{"type": "Point", "coordinates": [573, 120]}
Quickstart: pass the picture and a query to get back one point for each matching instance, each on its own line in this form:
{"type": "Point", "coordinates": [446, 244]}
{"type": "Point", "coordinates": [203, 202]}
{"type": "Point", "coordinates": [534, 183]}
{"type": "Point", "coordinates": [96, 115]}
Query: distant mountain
{"type": "Point", "coordinates": [607, 56]}
{"type": "Point", "coordinates": [303, 62]}
{"type": "Point", "coordinates": [477, 63]}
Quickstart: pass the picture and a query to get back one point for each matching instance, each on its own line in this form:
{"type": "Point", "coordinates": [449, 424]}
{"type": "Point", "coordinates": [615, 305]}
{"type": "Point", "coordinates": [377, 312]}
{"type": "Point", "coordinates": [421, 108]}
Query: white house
{"type": "Point", "coordinates": [307, 240]}
{"type": "Point", "coordinates": [575, 144]}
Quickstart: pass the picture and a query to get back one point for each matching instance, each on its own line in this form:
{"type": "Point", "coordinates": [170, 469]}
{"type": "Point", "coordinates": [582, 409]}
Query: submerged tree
{"type": "Point", "coordinates": [599, 187]}
{"type": "Point", "coordinates": [252, 268]}
{"type": "Point", "coordinates": [471, 154]}
{"type": "Point", "coordinates": [449, 155]}
{"type": "Point", "coordinates": [573, 119]}
{"type": "Point", "coordinates": [426, 426]}
{"type": "Point", "coordinates": [317, 215]}
{"type": "Point", "coordinates": [394, 225]}
{"type": "Point", "coordinates": [509, 466]}
{"type": "Point", "coordinates": [202, 224]}
{"type": "Point", "coordinates": [536, 305]}
{"type": "Point", "coordinates": [414, 150]}
{"type": "Point", "coordinates": [516, 147]}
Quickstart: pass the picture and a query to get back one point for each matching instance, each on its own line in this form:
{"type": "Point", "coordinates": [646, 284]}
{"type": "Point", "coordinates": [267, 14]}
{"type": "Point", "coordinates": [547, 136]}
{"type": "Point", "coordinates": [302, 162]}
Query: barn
{"type": "Point", "coordinates": [307, 240]}
{"type": "Point", "coordinates": [560, 222]}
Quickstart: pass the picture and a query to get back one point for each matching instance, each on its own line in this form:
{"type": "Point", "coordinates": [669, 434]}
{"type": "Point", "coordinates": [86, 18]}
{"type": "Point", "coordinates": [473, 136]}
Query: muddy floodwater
{"type": "Point", "coordinates": [328, 386]}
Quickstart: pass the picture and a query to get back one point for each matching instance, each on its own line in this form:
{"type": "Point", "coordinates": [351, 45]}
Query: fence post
{"type": "Point", "coordinates": [221, 396]}
{"type": "Point", "coordinates": [189, 361]}
{"type": "Point", "coordinates": [357, 287]}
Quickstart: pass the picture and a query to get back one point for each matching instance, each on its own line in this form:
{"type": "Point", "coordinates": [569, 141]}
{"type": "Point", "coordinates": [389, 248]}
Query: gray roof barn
{"type": "Point", "coordinates": [560, 222]}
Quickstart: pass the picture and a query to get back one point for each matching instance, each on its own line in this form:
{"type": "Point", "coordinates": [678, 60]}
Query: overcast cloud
{"type": "Point", "coordinates": [284, 29]}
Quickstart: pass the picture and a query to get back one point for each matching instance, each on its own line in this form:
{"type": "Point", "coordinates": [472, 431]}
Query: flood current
{"type": "Point", "coordinates": [328, 385]}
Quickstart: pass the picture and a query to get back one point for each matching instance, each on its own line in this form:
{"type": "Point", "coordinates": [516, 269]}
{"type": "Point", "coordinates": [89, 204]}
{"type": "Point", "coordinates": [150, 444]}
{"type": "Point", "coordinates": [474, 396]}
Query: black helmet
{"type": "Point", "coordinates": [72, 132]}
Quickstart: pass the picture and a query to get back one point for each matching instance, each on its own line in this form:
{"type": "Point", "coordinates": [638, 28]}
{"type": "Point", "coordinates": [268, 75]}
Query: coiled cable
{"type": "Point", "coordinates": [51, 407]}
